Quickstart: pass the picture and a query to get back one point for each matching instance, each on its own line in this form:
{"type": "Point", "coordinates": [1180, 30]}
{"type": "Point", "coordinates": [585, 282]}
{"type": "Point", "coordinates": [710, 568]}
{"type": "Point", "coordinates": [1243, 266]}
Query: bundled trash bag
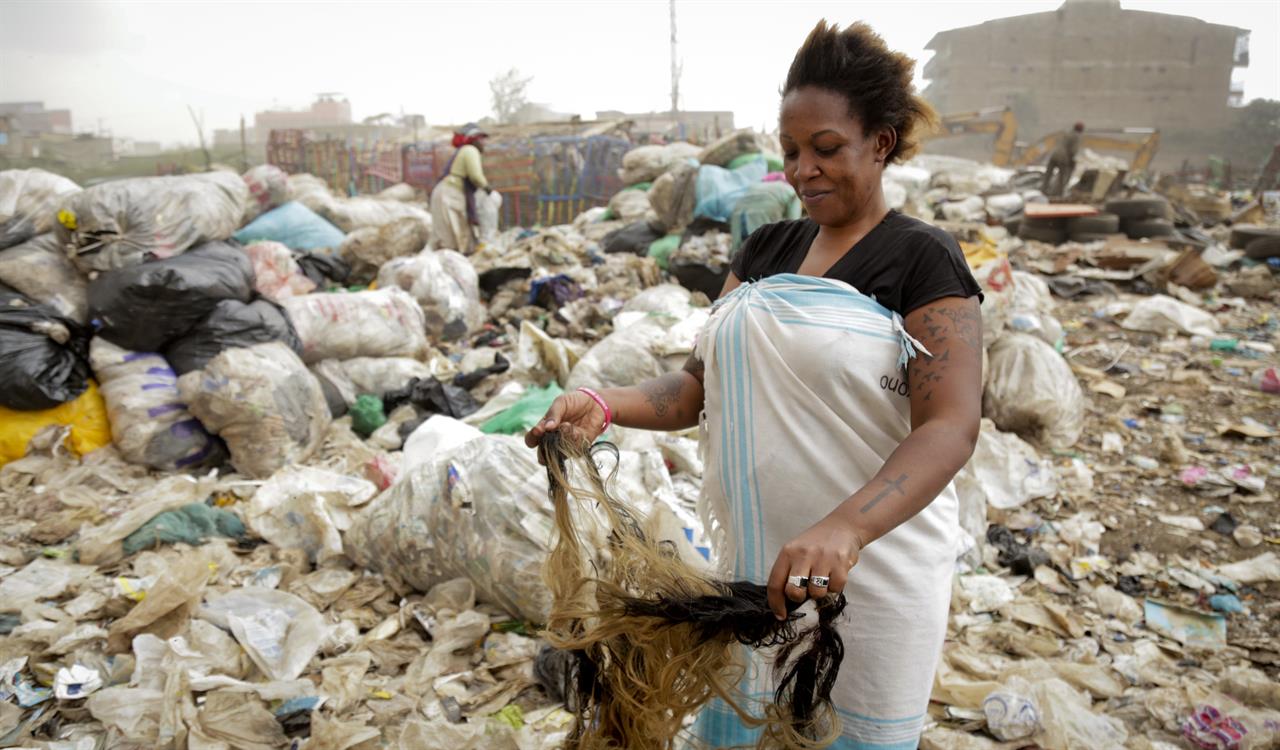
{"type": "Point", "coordinates": [624, 357]}
{"type": "Point", "coordinates": [29, 200]}
{"type": "Point", "coordinates": [446, 287]}
{"type": "Point", "coordinates": [674, 195]}
{"type": "Point", "coordinates": [276, 274]}
{"type": "Point", "coordinates": [725, 149]}
{"type": "Point", "coordinates": [521, 416]}
{"type": "Point", "coordinates": [263, 402]}
{"type": "Point", "coordinates": [1032, 391]}
{"type": "Point", "coordinates": [430, 396]}
{"type": "Point", "coordinates": [144, 307]}
{"type": "Point", "coordinates": [295, 226]}
{"type": "Point", "coordinates": [86, 417]}
{"type": "Point", "coordinates": [39, 269]}
{"type": "Point", "coordinates": [478, 511]}
{"type": "Point", "coordinates": [634, 238]}
{"type": "Point", "coordinates": [488, 216]}
{"type": "Point", "coordinates": [720, 189]}
{"type": "Point", "coordinates": [43, 354]}
{"type": "Point", "coordinates": [368, 248]}
{"type": "Point", "coordinates": [629, 205]}
{"type": "Point", "coordinates": [126, 222]}
{"type": "Point", "coordinates": [342, 325]}
{"type": "Point", "coordinates": [149, 423]}
{"type": "Point", "coordinates": [268, 187]}
{"type": "Point", "coordinates": [323, 270]}
{"type": "Point", "coordinates": [232, 323]}
{"type": "Point", "coordinates": [648, 163]}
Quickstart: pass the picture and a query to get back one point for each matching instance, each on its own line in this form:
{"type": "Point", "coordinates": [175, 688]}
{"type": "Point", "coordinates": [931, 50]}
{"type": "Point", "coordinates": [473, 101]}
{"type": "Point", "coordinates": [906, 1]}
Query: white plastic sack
{"type": "Point", "coordinates": [972, 208]}
{"type": "Point", "coordinates": [1004, 472]}
{"type": "Point", "coordinates": [342, 325]}
{"type": "Point", "coordinates": [1001, 207]}
{"type": "Point", "coordinates": [150, 425]}
{"type": "Point", "coordinates": [623, 358]}
{"type": "Point", "coordinates": [445, 285]}
{"type": "Point", "coordinates": [307, 508]}
{"type": "Point", "coordinates": [996, 279]}
{"type": "Point", "coordinates": [1031, 309]}
{"type": "Point", "coordinates": [279, 631]}
{"type": "Point", "coordinates": [438, 436]}
{"type": "Point", "coordinates": [368, 248]}
{"type": "Point", "coordinates": [648, 163]}
{"type": "Point", "coordinates": [124, 222]}
{"type": "Point", "coordinates": [39, 269]}
{"type": "Point", "coordinates": [1032, 391]}
{"type": "Point", "coordinates": [630, 205]}
{"type": "Point", "coordinates": [377, 375]}
{"type": "Point", "coordinates": [488, 215]}
{"type": "Point", "coordinates": [277, 275]}
{"type": "Point", "coordinates": [268, 187]}
{"type": "Point", "coordinates": [479, 512]}
{"type": "Point", "coordinates": [1163, 314]}
{"type": "Point", "coordinates": [263, 402]}
{"type": "Point", "coordinates": [665, 299]}
{"type": "Point", "coordinates": [29, 200]}
{"type": "Point", "coordinates": [350, 214]}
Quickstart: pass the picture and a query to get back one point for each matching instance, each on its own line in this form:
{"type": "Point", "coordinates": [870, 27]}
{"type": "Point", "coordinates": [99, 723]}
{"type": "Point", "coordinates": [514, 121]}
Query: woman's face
{"type": "Point", "coordinates": [831, 163]}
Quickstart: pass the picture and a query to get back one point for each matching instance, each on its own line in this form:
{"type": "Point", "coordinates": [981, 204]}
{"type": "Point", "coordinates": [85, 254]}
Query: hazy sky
{"type": "Point", "coordinates": [135, 66]}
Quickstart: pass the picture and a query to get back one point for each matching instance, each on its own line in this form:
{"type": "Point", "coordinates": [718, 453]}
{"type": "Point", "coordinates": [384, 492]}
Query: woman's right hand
{"type": "Point", "coordinates": [575, 414]}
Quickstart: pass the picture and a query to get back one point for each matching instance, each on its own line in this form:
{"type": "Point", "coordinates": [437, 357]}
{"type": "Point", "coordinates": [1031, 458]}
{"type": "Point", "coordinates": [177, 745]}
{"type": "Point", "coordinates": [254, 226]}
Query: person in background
{"type": "Point", "coordinates": [453, 202]}
{"type": "Point", "coordinates": [1062, 163]}
{"type": "Point", "coordinates": [838, 389]}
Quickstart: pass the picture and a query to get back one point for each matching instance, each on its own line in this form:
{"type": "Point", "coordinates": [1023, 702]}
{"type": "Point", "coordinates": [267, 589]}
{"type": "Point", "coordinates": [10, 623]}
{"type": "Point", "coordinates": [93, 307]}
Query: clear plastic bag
{"type": "Point", "coordinates": [307, 508]}
{"type": "Point", "coordinates": [280, 631]}
{"type": "Point", "coordinates": [29, 201]}
{"type": "Point", "coordinates": [263, 402]}
{"type": "Point", "coordinates": [268, 187]}
{"type": "Point", "coordinates": [276, 273]}
{"type": "Point", "coordinates": [1032, 391]}
{"type": "Point", "coordinates": [368, 248]}
{"type": "Point", "coordinates": [39, 269]}
{"type": "Point", "coordinates": [444, 285]}
{"type": "Point", "coordinates": [343, 325]}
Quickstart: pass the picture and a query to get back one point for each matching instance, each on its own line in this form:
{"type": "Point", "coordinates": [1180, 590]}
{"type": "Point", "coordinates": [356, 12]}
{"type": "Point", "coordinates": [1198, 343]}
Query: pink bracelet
{"type": "Point", "coordinates": [608, 413]}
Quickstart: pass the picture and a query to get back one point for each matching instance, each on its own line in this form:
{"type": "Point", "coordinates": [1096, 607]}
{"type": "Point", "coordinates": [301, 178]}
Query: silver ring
{"type": "Point", "coordinates": [820, 581]}
{"type": "Point", "coordinates": [798, 581]}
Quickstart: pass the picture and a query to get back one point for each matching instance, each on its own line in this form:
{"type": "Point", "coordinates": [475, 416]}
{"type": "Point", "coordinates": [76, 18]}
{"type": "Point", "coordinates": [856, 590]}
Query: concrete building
{"type": "Point", "coordinates": [1091, 60]}
{"type": "Point", "coordinates": [326, 111]}
{"type": "Point", "coordinates": [699, 127]}
{"type": "Point", "coordinates": [31, 118]}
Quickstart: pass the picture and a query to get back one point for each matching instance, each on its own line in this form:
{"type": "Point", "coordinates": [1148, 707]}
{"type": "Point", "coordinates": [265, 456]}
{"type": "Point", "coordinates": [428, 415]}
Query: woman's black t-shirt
{"type": "Point", "coordinates": [903, 263]}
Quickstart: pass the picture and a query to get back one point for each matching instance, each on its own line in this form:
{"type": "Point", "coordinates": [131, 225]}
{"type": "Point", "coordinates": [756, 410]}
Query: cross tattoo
{"type": "Point", "coordinates": [894, 485]}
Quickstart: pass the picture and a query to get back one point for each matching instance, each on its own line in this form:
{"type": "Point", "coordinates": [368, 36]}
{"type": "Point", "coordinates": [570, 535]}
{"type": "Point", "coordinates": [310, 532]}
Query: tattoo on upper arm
{"type": "Point", "coordinates": [894, 485]}
{"type": "Point", "coordinates": [663, 392]}
{"type": "Point", "coordinates": [949, 325]}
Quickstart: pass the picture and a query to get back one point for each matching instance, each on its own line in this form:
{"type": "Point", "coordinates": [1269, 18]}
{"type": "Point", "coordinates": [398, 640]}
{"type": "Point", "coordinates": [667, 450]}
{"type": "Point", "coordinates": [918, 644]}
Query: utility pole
{"type": "Point", "coordinates": [244, 148]}
{"type": "Point", "coordinates": [675, 66]}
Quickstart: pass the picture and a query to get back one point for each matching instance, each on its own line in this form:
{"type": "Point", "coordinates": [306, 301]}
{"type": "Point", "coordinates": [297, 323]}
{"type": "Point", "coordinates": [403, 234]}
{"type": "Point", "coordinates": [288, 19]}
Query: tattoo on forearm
{"type": "Point", "coordinates": [894, 485]}
{"type": "Point", "coordinates": [664, 392]}
{"type": "Point", "coordinates": [948, 325]}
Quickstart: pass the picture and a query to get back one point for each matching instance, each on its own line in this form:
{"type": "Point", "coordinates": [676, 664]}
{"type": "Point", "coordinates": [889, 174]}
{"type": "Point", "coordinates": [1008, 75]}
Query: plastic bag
{"type": "Point", "coordinates": [724, 149]}
{"type": "Point", "coordinates": [340, 325]}
{"type": "Point", "coordinates": [629, 205]}
{"type": "Point", "coordinates": [263, 402]}
{"type": "Point", "coordinates": [29, 200]}
{"type": "Point", "coordinates": [648, 163]}
{"type": "Point", "coordinates": [673, 197]}
{"type": "Point", "coordinates": [232, 323]}
{"type": "Point", "coordinates": [367, 249]}
{"type": "Point", "coordinates": [380, 375]}
{"type": "Point", "coordinates": [521, 416]}
{"type": "Point", "coordinates": [436, 436]}
{"type": "Point", "coordinates": [488, 215]}
{"type": "Point", "coordinates": [149, 423]}
{"type": "Point", "coordinates": [1005, 471]}
{"type": "Point", "coordinates": [280, 631]}
{"type": "Point", "coordinates": [40, 270]}
{"type": "Point", "coordinates": [276, 273]}
{"type": "Point", "coordinates": [86, 416]}
{"type": "Point", "coordinates": [623, 358]}
{"type": "Point", "coordinates": [445, 285]}
{"type": "Point", "coordinates": [480, 512]}
{"type": "Point", "coordinates": [144, 307]}
{"type": "Point", "coordinates": [308, 509]}
{"type": "Point", "coordinates": [268, 187]}
{"type": "Point", "coordinates": [125, 222]}
{"type": "Point", "coordinates": [719, 189]}
{"type": "Point", "coordinates": [430, 396]}
{"type": "Point", "coordinates": [634, 238]}
{"type": "Point", "coordinates": [1163, 314]}
{"type": "Point", "coordinates": [1032, 391]}
{"type": "Point", "coordinates": [45, 355]}
{"type": "Point", "coordinates": [295, 226]}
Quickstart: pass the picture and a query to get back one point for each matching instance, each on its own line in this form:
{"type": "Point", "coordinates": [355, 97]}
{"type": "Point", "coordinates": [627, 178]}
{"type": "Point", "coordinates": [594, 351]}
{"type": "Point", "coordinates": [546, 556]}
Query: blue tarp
{"type": "Point", "coordinates": [293, 225]}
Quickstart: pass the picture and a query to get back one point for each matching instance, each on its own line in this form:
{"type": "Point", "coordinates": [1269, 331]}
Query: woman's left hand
{"type": "Point", "coordinates": [828, 549]}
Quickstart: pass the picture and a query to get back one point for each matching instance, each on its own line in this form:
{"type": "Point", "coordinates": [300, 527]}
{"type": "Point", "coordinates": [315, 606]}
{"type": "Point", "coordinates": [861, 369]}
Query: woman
{"type": "Point", "coordinates": [828, 470]}
{"type": "Point", "coordinates": [453, 202]}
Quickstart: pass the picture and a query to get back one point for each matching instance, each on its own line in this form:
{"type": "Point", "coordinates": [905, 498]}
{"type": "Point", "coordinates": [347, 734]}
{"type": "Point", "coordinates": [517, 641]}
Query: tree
{"type": "Point", "coordinates": [508, 94]}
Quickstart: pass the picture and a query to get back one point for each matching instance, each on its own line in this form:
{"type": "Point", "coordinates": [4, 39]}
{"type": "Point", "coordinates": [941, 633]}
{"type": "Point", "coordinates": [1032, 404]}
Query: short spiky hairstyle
{"type": "Point", "coordinates": [876, 80]}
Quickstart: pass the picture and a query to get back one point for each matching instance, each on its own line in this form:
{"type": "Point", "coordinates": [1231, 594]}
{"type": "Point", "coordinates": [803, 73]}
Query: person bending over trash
{"type": "Point", "coordinates": [453, 202]}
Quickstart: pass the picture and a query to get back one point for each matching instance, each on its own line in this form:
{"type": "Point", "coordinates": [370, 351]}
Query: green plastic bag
{"type": "Point", "coordinates": [521, 416]}
{"type": "Point", "coordinates": [661, 250]}
{"type": "Point", "coordinates": [191, 524]}
{"type": "Point", "coordinates": [638, 186]}
{"type": "Point", "coordinates": [367, 415]}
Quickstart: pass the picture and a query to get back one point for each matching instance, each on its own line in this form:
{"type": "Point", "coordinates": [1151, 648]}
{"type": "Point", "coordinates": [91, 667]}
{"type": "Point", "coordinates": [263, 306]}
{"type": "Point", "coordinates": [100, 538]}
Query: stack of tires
{"type": "Point", "coordinates": [1141, 218]}
{"type": "Point", "coordinates": [1076, 229]}
{"type": "Point", "coordinates": [1257, 242]}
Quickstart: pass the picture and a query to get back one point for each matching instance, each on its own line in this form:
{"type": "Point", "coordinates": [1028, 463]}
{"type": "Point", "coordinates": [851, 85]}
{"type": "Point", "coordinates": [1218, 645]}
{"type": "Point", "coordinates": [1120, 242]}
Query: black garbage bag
{"type": "Point", "coordinates": [44, 356]}
{"type": "Point", "coordinates": [493, 279]}
{"type": "Point", "coordinates": [144, 307]}
{"type": "Point", "coordinates": [699, 277]}
{"type": "Point", "coordinates": [232, 323]}
{"type": "Point", "coordinates": [323, 270]}
{"type": "Point", "coordinates": [430, 396]}
{"type": "Point", "coordinates": [633, 238]}
{"type": "Point", "coordinates": [1022, 559]}
{"type": "Point", "coordinates": [469, 380]}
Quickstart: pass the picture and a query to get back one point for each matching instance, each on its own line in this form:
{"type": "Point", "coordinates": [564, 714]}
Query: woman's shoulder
{"type": "Point", "coordinates": [768, 248]}
{"type": "Point", "coordinates": [914, 230]}
{"type": "Point", "coordinates": [784, 232]}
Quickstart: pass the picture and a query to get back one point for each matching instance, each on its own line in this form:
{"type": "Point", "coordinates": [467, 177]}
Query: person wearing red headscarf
{"type": "Point", "coordinates": [453, 213]}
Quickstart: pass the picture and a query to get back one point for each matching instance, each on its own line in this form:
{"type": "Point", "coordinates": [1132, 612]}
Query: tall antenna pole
{"type": "Point", "coordinates": [675, 66]}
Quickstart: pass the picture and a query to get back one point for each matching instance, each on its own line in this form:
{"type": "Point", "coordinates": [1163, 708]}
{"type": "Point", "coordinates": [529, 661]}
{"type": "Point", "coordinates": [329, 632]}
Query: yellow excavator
{"type": "Point", "coordinates": [1140, 143]}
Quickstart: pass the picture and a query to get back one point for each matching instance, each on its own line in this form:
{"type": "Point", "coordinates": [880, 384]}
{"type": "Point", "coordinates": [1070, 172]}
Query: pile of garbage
{"type": "Point", "coordinates": [262, 485]}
